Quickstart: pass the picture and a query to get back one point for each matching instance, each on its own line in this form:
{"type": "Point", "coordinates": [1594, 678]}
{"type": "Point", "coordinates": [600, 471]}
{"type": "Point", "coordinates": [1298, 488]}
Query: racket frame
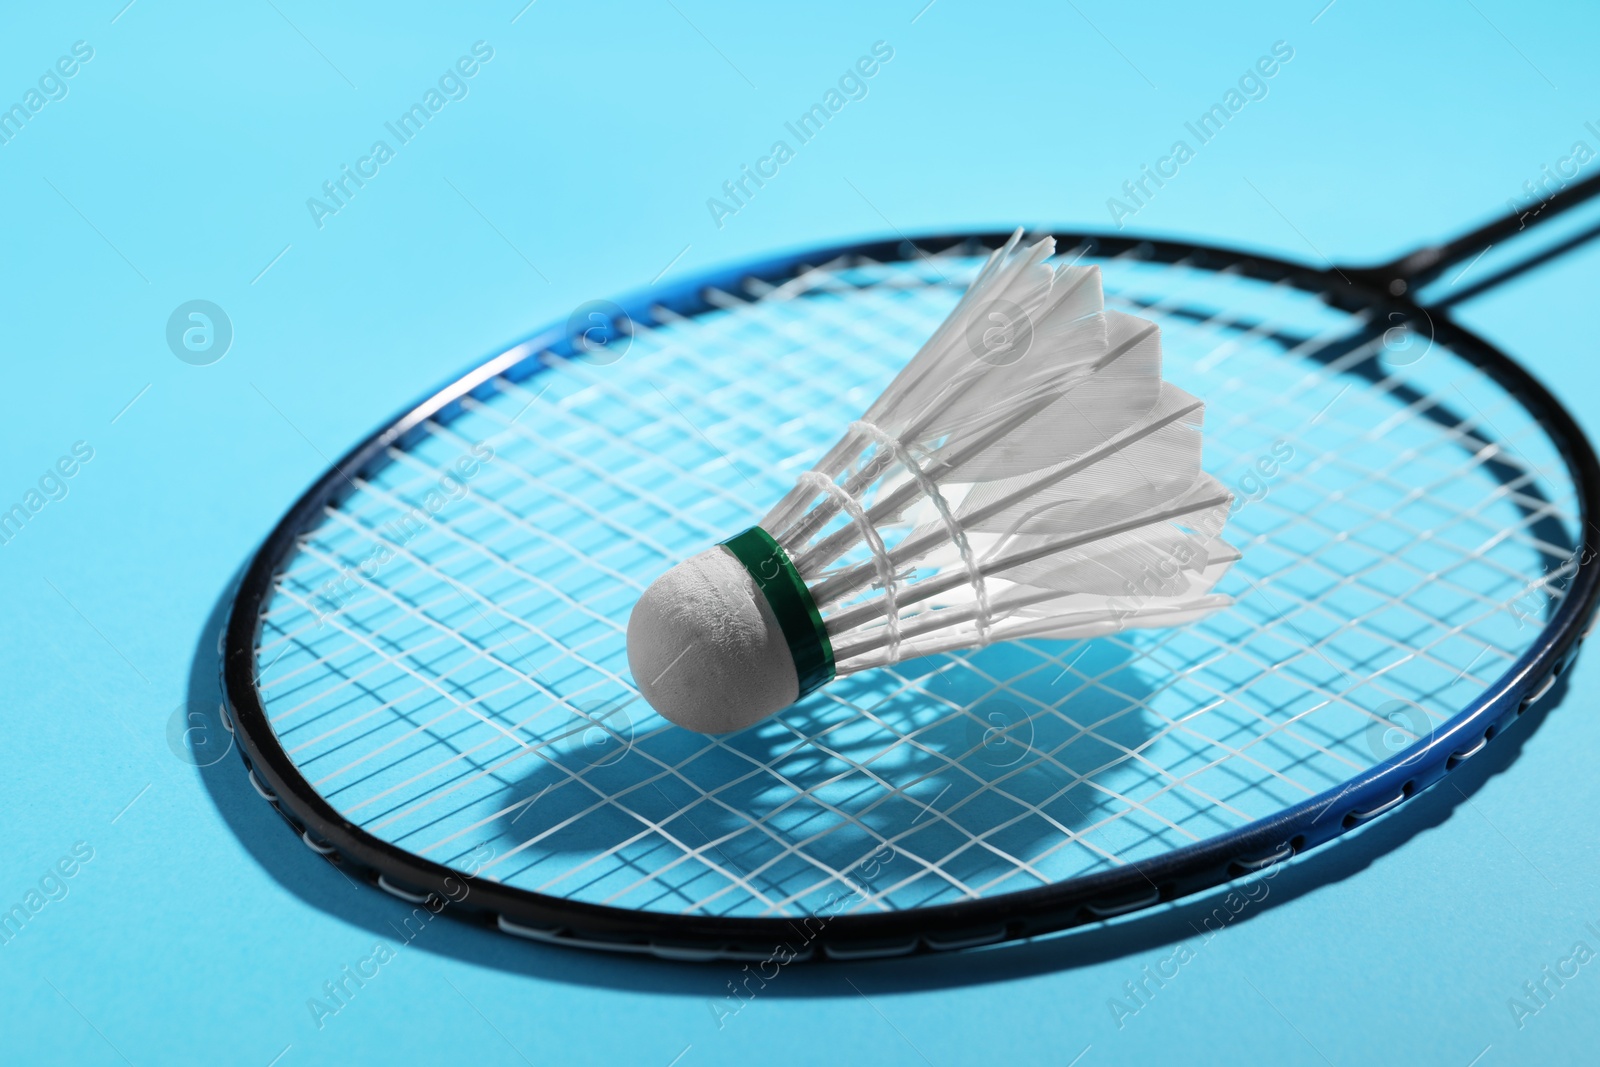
{"type": "Point", "coordinates": [1025, 913]}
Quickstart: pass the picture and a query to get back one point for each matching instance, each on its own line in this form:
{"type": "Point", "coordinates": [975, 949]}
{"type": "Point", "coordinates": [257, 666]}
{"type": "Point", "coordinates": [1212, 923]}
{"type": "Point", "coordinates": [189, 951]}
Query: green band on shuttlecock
{"type": "Point", "coordinates": [791, 602]}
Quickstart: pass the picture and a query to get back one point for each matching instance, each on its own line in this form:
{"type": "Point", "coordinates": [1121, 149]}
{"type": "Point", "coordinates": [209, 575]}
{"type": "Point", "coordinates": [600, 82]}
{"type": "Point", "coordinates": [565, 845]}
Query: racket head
{"type": "Point", "coordinates": [1089, 779]}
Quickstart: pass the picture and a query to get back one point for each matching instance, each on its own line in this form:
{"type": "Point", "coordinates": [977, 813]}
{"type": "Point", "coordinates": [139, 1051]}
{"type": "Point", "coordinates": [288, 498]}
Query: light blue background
{"type": "Point", "coordinates": [178, 168]}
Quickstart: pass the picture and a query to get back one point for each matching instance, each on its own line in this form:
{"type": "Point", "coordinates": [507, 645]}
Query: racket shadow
{"type": "Point", "coordinates": [319, 884]}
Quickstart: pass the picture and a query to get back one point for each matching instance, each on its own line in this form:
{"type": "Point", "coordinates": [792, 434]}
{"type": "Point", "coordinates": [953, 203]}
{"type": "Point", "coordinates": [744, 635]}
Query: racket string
{"type": "Point", "coordinates": [1176, 759]}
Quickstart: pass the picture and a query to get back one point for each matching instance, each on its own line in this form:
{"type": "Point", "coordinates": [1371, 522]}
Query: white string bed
{"type": "Point", "coordinates": [443, 657]}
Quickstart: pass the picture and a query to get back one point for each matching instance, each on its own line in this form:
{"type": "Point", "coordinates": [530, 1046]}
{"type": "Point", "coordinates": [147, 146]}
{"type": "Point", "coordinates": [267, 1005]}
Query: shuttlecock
{"type": "Point", "coordinates": [1027, 474]}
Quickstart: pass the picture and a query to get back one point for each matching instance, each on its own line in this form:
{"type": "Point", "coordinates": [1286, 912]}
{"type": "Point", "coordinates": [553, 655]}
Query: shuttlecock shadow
{"type": "Point", "coordinates": [319, 883]}
{"type": "Point", "coordinates": [984, 772]}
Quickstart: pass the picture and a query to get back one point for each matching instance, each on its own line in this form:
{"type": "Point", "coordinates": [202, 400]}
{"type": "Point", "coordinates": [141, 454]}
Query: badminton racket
{"type": "Point", "coordinates": [425, 665]}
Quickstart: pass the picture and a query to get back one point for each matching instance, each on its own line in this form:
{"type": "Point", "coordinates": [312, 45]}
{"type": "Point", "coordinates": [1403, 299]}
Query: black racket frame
{"type": "Point", "coordinates": [1383, 295]}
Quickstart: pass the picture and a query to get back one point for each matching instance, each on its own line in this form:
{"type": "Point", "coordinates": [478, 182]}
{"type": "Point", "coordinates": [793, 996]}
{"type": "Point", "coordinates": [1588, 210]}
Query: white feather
{"type": "Point", "coordinates": [1055, 491]}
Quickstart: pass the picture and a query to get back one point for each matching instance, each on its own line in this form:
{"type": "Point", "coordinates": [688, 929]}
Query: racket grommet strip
{"type": "Point", "coordinates": [256, 783]}
{"type": "Point", "coordinates": [957, 942]}
{"type": "Point", "coordinates": [871, 950]}
{"type": "Point", "coordinates": [1355, 818]}
{"type": "Point", "coordinates": [1278, 855]}
{"type": "Point", "coordinates": [320, 848]}
{"type": "Point", "coordinates": [1458, 758]}
{"type": "Point", "coordinates": [410, 896]}
{"type": "Point", "coordinates": [1538, 694]}
{"type": "Point", "coordinates": [1103, 909]}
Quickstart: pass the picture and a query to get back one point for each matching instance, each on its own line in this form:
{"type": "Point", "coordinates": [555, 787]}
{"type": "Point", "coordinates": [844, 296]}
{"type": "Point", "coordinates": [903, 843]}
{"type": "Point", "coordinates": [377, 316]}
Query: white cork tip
{"type": "Point", "coordinates": [706, 650]}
